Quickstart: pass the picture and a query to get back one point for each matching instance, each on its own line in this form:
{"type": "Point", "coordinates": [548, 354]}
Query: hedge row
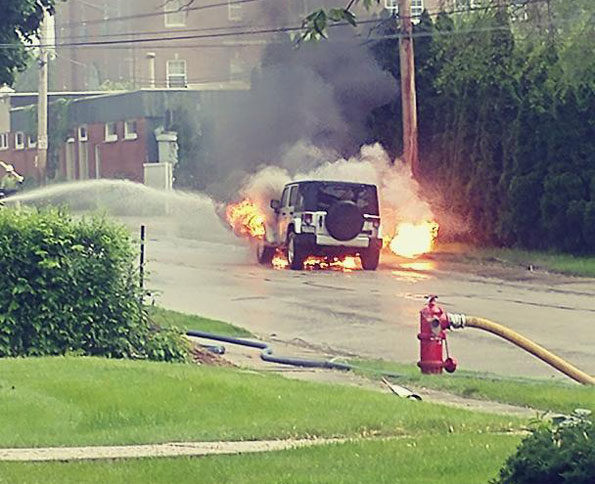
{"type": "Point", "coordinates": [71, 285]}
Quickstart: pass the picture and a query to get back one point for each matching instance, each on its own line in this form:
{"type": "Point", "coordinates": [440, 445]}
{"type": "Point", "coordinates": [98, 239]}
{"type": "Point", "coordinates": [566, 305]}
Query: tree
{"type": "Point", "coordinates": [19, 26]}
{"type": "Point", "coordinates": [315, 25]}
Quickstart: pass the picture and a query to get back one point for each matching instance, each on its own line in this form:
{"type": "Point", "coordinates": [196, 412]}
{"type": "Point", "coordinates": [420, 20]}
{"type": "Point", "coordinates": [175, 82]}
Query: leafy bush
{"type": "Point", "coordinates": [561, 452]}
{"type": "Point", "coordinates": [71, 285]}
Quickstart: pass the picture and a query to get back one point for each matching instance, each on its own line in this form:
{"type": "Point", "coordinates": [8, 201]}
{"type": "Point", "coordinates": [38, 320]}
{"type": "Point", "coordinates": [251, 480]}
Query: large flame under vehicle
{"type": "Point", "coordinates": [324, 218]}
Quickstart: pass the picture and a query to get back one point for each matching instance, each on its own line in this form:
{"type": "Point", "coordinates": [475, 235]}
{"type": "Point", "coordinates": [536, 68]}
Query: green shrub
{"type": "Point", "coordinates": [71, 285]}
{"type": "Point", "coordinates": [561, 452]}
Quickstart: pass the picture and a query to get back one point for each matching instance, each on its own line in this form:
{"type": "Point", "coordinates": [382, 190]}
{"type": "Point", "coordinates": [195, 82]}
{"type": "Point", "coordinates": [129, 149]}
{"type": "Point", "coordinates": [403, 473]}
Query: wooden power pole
{"type": "Point", "coordinates": [42, 102]}
{"type": "Point", "coordinates": [408, 98]}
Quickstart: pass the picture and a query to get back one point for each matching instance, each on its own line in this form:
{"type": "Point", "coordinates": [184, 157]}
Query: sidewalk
{"type": "Point", "coordinates": [173, 449]}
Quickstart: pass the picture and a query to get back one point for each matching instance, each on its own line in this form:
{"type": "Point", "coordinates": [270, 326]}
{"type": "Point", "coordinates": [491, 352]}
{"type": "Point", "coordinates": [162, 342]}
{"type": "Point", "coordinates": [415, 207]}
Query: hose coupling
{"type": "Point", "coordinates": [456, 320]}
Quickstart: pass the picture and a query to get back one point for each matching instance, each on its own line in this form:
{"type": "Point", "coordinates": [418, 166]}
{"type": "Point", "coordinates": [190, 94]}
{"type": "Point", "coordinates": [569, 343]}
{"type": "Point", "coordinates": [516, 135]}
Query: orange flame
{"type": "Point", "coordinates": [280, 261]}
{"type": "Point", "coordinates": [245, 219]}
{"type": "Point", "coordinates": [313, 263]}
{"type": "Point", "coordinates": [345, 264]}
{"type": "Point", "coordinates": [412, 240]}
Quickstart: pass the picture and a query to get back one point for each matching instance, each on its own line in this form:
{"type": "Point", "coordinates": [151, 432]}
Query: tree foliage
{"type": "Point", "coordinates": [19, 26]}
{"type": "Point", "coordinates": [316, 23]}
{"type": "Point", "coordinates": [506, 121]}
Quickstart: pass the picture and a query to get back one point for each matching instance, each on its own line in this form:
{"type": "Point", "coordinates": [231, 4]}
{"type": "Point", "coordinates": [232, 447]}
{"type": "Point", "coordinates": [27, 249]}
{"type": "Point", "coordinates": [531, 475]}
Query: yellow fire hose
{"type": "Point", "coordinates": [462, 321]}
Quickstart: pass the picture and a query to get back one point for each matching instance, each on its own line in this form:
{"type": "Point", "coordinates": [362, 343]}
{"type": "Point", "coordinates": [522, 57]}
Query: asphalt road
{"type": "Point", "coordinates": [375, 314]}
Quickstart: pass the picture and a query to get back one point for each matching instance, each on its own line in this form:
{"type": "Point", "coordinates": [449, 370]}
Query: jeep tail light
{"type": "Point", "coordinates": [376, 223]}
{"type": "Point", "coordinates": [307, 218]}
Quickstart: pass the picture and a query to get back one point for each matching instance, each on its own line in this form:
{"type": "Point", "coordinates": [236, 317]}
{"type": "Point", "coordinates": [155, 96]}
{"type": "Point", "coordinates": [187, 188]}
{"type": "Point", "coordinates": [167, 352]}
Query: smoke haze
{"type": "Point", "coordinates": [398, 191]}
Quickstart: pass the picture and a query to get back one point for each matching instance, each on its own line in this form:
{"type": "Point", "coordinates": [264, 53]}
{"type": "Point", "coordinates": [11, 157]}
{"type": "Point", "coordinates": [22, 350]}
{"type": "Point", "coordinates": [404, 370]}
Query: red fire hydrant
{"type": "Point", "coordinates": [433, 323]}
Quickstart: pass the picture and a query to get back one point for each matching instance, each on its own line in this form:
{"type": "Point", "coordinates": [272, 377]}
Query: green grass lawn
{"type": "Point", "coordinates": [444, 459]}
{"type": "Point", "coordinates": [557, 262]}
{"type": "Point", "coordinates": [167, 318]}
{"type": "Point", "coordinates": [62, 401]}
{"type": "Point", "coordinates": [76, 401]}
{"type": "Point", "coordinates": [538, 394]}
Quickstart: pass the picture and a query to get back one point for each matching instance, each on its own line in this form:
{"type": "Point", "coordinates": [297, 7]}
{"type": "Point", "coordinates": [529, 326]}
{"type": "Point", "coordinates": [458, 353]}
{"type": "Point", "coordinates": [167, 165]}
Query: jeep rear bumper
{"type": "Point", "coordinates": [318, 241]}
{"type": "Point", "coordinates": [361, 241]}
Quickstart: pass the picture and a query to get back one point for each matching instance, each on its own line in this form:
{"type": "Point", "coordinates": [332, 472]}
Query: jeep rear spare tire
{"type": "Point", "coordinates": [344, 221]}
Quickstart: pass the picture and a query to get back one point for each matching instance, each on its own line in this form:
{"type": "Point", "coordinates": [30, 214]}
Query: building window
{"type": "Point", "coordinates": [82, 132]}
{"type": "Point", "coordinates": [3, 141]}
{"type": "Point", "coordinates": [175, 13]}
{"type": "Point", "coordinates": [111, 132]}
{"type": "Point", "coordinates": [392, 5]}
{"type": "Point", "coordinates": [417, 7]}
{"type": "Point", "coordinates": [19, 140]}
{"type": "Point", "coordinates": [237, 68]}
{"type": "Point", "coordinates": [176, 73]}
{"type": "Point", "coordinates": [130, 129]}
{"type": "Point", "coordinates": [470, 4]}
{"type": "Point", "coordinates": [31, 141]}
{"type": "Point", "coordinates": [234, 11]}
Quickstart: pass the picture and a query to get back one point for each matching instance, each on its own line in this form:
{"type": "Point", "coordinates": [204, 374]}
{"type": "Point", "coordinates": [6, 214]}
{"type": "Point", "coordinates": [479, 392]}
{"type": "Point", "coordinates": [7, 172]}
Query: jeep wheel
{"type": "Point", "coordinates": [369, 258]}
{"type": "Point", "coordinates": [295, 253]}
{"type": "Point", "coordinates": [264, 253]}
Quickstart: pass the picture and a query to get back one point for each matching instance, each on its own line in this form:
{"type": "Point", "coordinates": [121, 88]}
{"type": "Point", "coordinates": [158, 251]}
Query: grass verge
{"type": "Point", "coordinates": [167, 318]}
{"type": "Point", "coordinates": [541, 395]}
{"type": "Point", "coordinates": [464, 459]}
{"type": "Point", "coordinates": [555, 262]}
{"type": "Point", "coordinates": [89, 401]}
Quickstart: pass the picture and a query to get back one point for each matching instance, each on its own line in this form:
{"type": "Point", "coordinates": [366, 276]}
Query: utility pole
{"type": "Point", "coordinates": [42, 102]}
{"type": "Point", "coordinates": [408, 97]}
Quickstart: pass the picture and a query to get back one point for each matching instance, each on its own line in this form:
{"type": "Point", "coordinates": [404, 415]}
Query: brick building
{"type": "Point", "coordinates": [211, 47]}
{"type": "Point", "coordinates": [115, 134]}
{"type": "Point", "coordinates": [202, 55]}
{"type": "Point", "coordinates": [110, 135]}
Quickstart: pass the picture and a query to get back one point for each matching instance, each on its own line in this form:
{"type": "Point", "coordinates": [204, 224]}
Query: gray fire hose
{"type": "Point", "coordinates": [267, 355]}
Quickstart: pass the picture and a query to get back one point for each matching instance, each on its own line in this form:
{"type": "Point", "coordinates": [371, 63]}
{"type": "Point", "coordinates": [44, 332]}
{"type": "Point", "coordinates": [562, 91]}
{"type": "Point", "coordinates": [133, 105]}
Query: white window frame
{"type": "Point", "coordinates": [83, 132]}
{"type": "Point", "coordinates": [469, 4]}
{"type": "Point", "coordinates": [31, 141]}
{"type": "Point", "coordinates": [3, 141]}
{"type": "Point", "coordinates": [179, 76]}
{"type": "Point", "coordinates": [111, 137]}
{"type": "Point", "coordinates": [234, 11]}
{"type": "Point", "coordinates": [19, 145]}
{"type": "Point", "coordinates": [417, 7]}
{"type": "Point", "coordinates": [392, 5]}
{"type": "Point", "coordinates": [128, 134]}
{"type": "Point", "coordinates": [175, 13]}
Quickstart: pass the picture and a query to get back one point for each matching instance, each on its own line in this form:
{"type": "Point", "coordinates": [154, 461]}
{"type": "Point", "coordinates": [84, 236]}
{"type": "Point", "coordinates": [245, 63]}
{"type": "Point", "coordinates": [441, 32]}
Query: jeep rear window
{"type": "Point", "coordinates": [327, 194]}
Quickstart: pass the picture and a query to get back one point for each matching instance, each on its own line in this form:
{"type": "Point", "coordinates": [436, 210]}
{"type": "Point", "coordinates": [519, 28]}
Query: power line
{"type": "Point", "coordinates": [261, 31]}
{"type": "Point", "coordinates": [180, 37]}
{"type": "Point", "coordinates": [160, 13]}
{"type": "Point", "coordinates": [234, 27]}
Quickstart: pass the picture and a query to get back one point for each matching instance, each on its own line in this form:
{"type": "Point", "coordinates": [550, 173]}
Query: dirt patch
{"type": "Point", "coordinates": [204, 356]}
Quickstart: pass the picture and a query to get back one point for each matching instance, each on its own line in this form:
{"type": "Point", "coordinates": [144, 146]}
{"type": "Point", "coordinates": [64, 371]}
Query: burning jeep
{"type": "Point", "coordinates": [324, 218]}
